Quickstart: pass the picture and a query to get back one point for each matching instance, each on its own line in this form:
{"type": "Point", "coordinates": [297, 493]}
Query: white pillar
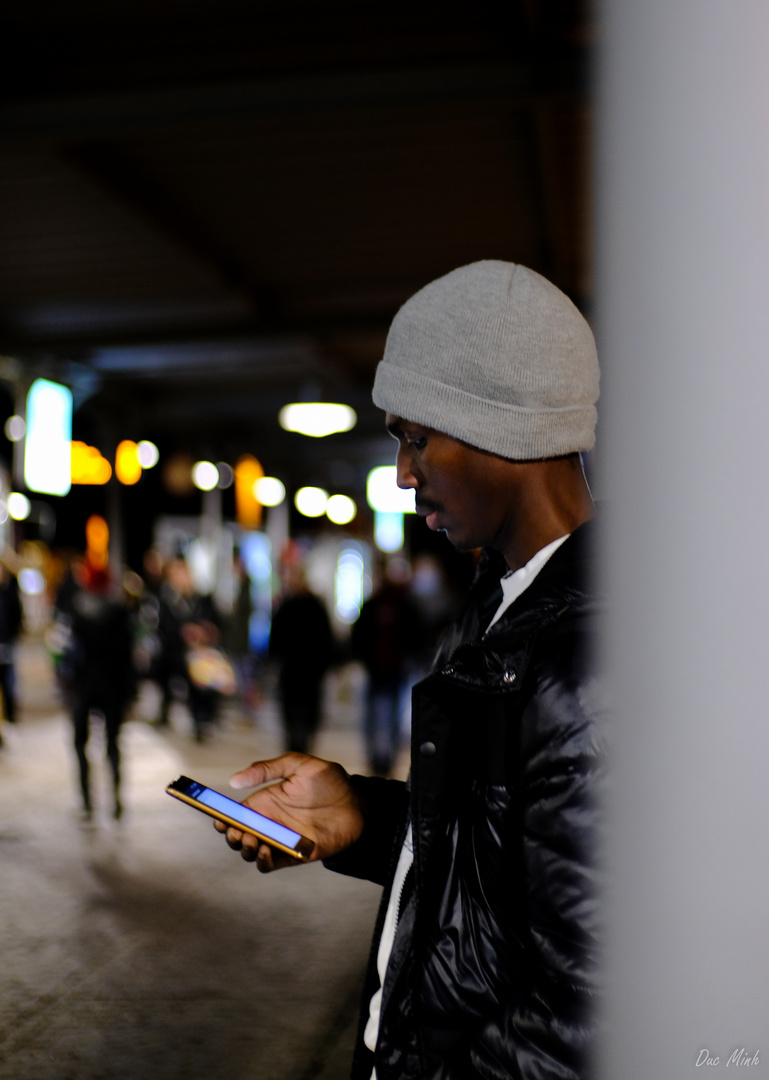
{"type": "Point", "coordinates": [683, 328]}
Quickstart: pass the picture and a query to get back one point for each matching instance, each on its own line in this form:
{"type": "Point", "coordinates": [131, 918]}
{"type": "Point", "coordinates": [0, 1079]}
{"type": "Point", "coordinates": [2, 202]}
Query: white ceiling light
{"type": "Point", "coordinates": [383, 493]}
{"type": "Point", "coordinates": [341, 509]}
{"type": "Point", "coordinates": [19, 506]}
{"type": "Point", "coordinates": [270, 491]}
{"type": "Point", "coordinates": [147, 453]}
{"type": "Point", "coordinates": [205, 475]}
{"type": "Point", "coordinates": [317, 418]}
{"type": "Point", "coordinates": [311, 501]}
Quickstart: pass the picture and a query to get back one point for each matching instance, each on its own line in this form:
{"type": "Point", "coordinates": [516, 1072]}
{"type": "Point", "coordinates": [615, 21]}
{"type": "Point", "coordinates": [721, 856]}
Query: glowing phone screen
{"type": "Point", "coordinates": [266, 826]}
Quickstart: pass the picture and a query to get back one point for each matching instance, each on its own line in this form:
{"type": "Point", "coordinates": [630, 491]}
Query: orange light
{"type": "Point", "coordinates": [128, 467]}
{"type": "Point", "coordinates": [248, 509]}
{"type": "Point", "coordinates": [88, 465]}
{"type": "Point", "coordinates": [97, 541]}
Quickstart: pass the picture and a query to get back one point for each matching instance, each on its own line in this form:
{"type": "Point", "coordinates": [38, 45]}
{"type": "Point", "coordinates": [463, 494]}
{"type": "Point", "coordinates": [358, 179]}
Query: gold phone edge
{"type": "Point", "coordinates": [295, 853]}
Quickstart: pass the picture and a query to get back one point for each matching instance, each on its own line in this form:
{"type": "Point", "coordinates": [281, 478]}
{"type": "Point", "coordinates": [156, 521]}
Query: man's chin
{"type": "Point", "coordinates": [457, 541]}
{"type": "Point", "coordinates": [460, 543]}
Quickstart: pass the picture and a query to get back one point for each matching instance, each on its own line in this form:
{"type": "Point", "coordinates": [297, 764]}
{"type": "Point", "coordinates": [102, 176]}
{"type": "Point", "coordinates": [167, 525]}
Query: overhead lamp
{"type": "Point", "coordinates": [19, 506]}
{"type": "Point", "coordinates": [205, 475]}
{"type": "Point", "coordinates": [270, 491]}
{"type": "Point", "coordinates": [341, 509]}
{"type": "Point", "coordinates": [311, 501]}
{"type": "Point", "coordinates": [147, 453]}
{"type": "Point", "coordinates": [317, 418]}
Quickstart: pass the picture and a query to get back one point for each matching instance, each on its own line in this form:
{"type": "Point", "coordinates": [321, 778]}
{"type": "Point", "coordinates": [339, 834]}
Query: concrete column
{"type": "Point", "coordinates": [683, 328]}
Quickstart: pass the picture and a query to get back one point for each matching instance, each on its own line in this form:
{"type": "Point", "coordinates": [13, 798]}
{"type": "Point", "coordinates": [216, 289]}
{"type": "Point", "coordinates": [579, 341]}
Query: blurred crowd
{"type": "Point", "coordinates": [109, 634]}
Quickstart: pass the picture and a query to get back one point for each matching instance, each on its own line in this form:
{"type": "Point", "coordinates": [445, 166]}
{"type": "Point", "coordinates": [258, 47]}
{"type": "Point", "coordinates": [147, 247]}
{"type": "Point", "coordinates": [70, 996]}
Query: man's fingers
{"type": "Point", "coordinates": [263, 772]}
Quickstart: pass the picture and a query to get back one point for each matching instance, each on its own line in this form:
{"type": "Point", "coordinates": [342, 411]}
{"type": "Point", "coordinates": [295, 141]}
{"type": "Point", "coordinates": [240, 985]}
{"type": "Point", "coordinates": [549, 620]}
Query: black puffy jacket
{"type": "Point", "coordinates": [493, 971]}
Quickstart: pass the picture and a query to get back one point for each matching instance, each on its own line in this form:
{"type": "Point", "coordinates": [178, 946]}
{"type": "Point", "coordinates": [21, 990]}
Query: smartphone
{"type": "Point", "coordinates": [242, 817]}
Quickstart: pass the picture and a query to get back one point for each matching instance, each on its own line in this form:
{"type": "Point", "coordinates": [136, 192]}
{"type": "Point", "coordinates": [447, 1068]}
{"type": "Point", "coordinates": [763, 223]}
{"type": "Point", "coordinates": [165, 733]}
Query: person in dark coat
{"type": "Point", "coordinates": [485, 962]}
{"type": "Point", "coordinates": [187, 620]}
{"type": "Point", "coordinates": [100, 669]}
{"type": "Point", "coordinates": [10, 628]}
{"type": "Point", "coordinates": [388, 639]}
{"type": "Point", "coordinates": [302, 644]}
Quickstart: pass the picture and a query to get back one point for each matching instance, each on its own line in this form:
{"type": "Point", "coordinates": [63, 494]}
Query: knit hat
{"type": "Point", "coordinates": [495, 355]}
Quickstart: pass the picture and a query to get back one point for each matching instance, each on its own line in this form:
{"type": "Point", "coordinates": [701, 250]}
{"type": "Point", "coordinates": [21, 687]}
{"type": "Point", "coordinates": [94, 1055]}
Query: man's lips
{"type": "Point", "coordinates": [428, 511]}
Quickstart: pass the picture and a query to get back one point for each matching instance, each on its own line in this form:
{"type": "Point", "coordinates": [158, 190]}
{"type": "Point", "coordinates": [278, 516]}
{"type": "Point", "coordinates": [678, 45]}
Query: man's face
{"type": "Point", "coordinates": [459, 490]}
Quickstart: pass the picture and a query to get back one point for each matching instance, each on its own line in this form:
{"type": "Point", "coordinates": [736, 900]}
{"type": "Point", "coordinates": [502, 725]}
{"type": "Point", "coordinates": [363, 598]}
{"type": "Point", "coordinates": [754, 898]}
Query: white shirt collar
{"type": "Point", "coordinates": [516, 581]}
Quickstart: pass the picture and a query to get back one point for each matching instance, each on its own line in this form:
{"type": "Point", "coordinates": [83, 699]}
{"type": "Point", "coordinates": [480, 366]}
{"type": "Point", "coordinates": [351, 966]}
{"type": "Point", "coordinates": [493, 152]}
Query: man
{"type": "Point", "coordinates": [484, 963]}
{"type": "Point", "coordinates": [302, 643]}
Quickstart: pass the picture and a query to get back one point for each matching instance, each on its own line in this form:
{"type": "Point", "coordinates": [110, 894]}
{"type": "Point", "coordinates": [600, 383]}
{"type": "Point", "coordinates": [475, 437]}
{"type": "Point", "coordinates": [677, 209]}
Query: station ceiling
{"type": "Point", "coordinates": [210, 208]}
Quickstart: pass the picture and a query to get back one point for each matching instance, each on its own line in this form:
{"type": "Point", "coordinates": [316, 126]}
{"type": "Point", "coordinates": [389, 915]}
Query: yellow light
{"type": "Point", "coordinates": [248, 509]}
{"type": "Point", "coordinates": [97, 541]}
{"type": "Point", "coordinates": [317, 418]}
{"type": "Point", "coordinates": [88, 465]}
{"type": "Point", "coordinates": [128, 467]}
{"type": "Point", "coordinates": [341, 509]}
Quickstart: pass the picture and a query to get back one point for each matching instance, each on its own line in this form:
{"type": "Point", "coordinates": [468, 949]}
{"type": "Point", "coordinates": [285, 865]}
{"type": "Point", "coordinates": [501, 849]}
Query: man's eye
{"type": "Point", "coordinates": [418, 443]}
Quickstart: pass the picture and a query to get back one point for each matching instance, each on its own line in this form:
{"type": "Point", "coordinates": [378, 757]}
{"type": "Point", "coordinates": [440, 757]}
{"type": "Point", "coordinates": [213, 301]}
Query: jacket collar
{"type": "Point", "coordinates": [564, 581]}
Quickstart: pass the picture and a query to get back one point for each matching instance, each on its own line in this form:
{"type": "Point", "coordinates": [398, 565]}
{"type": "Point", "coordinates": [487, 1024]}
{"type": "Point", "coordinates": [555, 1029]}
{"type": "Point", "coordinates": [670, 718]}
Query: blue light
{"type": "Point", "coordinates": [350, 572]}
{"type": "Point", "coordinates": [388, 530]}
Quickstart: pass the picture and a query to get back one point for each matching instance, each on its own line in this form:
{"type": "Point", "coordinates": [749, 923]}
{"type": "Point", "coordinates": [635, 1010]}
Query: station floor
{"type": "Point", "coordinates": [145, 948]}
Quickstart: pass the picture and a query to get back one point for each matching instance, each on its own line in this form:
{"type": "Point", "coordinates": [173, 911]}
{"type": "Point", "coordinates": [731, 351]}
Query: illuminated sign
{"type": "Point", "coordinates": [47, 455]}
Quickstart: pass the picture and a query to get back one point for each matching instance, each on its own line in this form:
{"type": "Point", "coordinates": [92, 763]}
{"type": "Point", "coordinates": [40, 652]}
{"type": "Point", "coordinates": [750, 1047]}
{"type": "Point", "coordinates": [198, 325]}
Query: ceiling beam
{"type": "Point", "coordinates": [113, 170]}
{"type": "Point", "coordinates": [102, 115]}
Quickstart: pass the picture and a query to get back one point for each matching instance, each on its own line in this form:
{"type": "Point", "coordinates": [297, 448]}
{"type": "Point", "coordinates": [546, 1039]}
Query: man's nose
{"type": "Point", "coordinates": [404, 473]}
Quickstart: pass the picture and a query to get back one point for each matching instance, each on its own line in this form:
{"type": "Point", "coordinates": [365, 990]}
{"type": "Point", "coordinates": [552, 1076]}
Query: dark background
{"type": "Point", "coordinates": [211, 208]}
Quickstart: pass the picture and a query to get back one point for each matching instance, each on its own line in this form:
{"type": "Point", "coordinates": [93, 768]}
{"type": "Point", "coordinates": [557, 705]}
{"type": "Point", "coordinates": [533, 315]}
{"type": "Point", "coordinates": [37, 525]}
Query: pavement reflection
{"type": "Point", "coordinates": [146, 947]}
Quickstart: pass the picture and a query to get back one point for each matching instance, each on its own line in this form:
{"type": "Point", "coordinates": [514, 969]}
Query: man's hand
{"type": "Point", "coordinates": [314, 797]}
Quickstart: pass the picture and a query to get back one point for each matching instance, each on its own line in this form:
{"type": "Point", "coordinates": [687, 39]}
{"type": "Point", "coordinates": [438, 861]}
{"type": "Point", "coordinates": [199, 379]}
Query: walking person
{"type": "Point", "coordinates": [101, 672]}
{"type": "Point", "coordinates": [302, 645]}
{"type": "Point", "coordinates": [10, 628]}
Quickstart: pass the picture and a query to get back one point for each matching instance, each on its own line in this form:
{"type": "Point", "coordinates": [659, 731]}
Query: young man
{"type": "Point", "coordinates": [484, 960]}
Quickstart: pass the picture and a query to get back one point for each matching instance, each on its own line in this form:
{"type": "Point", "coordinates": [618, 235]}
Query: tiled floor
{"type": "Point", "coordinates": [146, 948]}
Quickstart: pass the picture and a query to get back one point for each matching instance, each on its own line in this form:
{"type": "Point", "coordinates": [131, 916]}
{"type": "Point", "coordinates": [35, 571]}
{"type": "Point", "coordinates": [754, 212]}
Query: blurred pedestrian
{"type": "Point", "coordinates": [387, 638]}
{"type": "Point", "coordinates": [302, 644]}
{"type": "Point", "coordinates": [236, 637]}
{"type": "Point", "coordinates": [188, 621]}
{"type": "Point", "coordinates": [100, 669]}
{"type": "Point", "coordinates": [10, 628]}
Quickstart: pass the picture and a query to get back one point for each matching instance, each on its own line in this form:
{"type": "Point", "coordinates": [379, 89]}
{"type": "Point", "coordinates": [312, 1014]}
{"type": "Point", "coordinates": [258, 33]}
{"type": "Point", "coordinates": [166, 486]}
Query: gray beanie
{"type": "Point", "coordinates": [495, 355]}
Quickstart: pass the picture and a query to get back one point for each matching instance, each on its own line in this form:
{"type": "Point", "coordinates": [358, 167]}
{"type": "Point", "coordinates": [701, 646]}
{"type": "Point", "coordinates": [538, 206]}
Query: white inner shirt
{"type": "Point", "coordinates": [513, 584]}
{"type": "Point", "coordinates": [516, 581]}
